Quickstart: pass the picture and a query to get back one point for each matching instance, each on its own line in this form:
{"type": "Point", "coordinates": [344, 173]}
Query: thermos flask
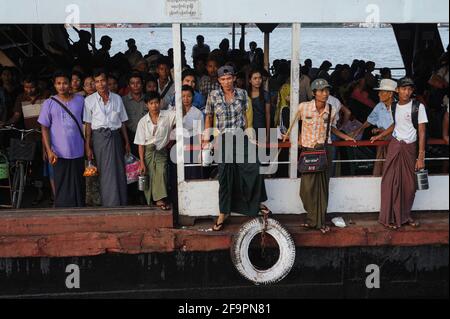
{"type": "Point", "coordinates": [143, 182]}
{"type": "Point", "coordinates": [422, 180]}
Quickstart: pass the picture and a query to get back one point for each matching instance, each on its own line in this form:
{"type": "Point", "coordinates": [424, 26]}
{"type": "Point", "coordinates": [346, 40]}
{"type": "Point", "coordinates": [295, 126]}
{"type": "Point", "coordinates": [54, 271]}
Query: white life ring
{"type": "Point", "coordinates": [240, 252]}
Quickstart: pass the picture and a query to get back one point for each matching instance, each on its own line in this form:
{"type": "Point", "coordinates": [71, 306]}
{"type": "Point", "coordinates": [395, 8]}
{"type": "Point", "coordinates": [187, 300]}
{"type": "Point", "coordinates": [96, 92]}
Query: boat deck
{"type": "Point", "coordinates": [136, 230]}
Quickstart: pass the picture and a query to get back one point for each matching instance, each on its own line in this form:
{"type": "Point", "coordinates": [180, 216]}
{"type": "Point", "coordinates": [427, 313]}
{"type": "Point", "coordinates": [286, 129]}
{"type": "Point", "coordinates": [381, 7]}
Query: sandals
{"type": "Point", "coordinates": [413, 223]}
{"type": "Point", "coordinates": [393, 227]}
{"type": "Point", "coordinates": [163, 206]}
{"type": "Point", "coordinates": [265, 211]}
{"type": "Point", "coordinates": [219, 227]}
{"type": "Point", "coordinates": [323, 229]}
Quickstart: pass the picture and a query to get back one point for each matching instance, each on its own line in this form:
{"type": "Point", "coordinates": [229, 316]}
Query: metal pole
{"type": "Point", "coordinates": [243, 37]}
{"type": "Point", "coordinates": [94, 48]}
{"type": "Point", "coordinates": [176, 32]}
{"type": "Point", "coordinates": [295, 97]}
{"type": "Point", "coordinates": [234, 35]}
{"type": "Point", "coordinates": [267, 56]}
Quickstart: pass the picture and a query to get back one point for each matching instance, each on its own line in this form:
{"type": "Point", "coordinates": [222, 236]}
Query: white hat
{"type": "Point", "coordinates": [387, 85]}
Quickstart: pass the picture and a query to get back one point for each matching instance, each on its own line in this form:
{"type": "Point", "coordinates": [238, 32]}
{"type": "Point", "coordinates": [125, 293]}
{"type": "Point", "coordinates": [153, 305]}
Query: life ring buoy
{"type": "Point", "coordinates": [240, 252]}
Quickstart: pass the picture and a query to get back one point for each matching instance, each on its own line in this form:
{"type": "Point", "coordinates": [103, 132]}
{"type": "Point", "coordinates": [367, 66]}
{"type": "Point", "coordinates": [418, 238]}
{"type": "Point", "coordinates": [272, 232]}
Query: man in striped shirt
{"type": "Point", "coordinates": [314, 188]}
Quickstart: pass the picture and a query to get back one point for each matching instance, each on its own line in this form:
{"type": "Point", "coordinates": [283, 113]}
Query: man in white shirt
{"type": "Point", "coordinates": [398, 186]}
{"type": "Point", "coordinates": [105, 115]}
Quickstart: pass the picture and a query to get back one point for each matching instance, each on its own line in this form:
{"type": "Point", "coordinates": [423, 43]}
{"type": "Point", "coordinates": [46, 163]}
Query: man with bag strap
{"type": "Point", "coordinates": [318, 119]}
{"type": "Point", "coordinates": [398, 186]}
{"type": "Point", "coordinates": [61, 120]}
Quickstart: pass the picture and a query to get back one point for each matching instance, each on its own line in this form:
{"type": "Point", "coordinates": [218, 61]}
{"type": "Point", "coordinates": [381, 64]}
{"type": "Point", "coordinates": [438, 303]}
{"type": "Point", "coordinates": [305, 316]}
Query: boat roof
{"type": "Point", "coordinates": [223, 11]}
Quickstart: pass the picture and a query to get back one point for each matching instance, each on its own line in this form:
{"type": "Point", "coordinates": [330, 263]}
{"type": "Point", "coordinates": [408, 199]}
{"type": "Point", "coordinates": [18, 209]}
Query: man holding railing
{"type": "Point", "coordinates": [398, 186]}
{"type": "Point", "coordinates": [241, 186]}
{"type": "Point", "coordinates": [319, 120]}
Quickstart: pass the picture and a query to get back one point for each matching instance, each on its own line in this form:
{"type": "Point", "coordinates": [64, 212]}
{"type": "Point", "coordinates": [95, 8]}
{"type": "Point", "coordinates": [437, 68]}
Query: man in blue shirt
{"type": "Point", "coordinates": [381, 117]}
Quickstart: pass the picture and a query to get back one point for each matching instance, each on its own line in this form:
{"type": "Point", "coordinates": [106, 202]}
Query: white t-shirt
{"type": "Point", "coordinates": [193, 123]}
{"type": "Point", "coordinates": [111, 115]}
{"type": "Point", "coordinates": [148, 133]}
{"type": "Point", "coordinates": [404, 128]}
{"type": "Point", "coordinates": [336, 104]}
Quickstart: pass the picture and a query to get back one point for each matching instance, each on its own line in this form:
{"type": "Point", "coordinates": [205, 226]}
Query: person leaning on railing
{"type": "Point", "coordinates": [241, 186]}
{"type": "Point", "coordinates": [316, 116]}
{"type": "Point", "coordinates": [381, 117]}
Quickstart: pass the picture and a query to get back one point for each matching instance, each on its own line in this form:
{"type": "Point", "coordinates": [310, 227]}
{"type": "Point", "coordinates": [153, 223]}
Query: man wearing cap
{"type": "Point", "coordinates": [315, 116]}
{"type": "Point", "coordinates": [398, 185]}
{"type": "Point", "coordinates": [132, 54]}
{"type": "Point", "coordinates": [102, 57]}
{"type": "Point", "coordinates": [381, 117]}
{"type": "Point", "coordinates": [242, 188]}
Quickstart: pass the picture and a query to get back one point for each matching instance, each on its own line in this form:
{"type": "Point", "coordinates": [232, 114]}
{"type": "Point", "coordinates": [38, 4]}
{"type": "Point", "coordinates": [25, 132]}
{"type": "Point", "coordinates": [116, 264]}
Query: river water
{"type": "Point", "coordinates": [338, 45]}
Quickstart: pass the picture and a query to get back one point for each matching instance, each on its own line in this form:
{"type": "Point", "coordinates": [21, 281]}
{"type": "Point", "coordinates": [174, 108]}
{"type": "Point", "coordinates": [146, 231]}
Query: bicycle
{"type": "Point", "coordinates": [22, 154]}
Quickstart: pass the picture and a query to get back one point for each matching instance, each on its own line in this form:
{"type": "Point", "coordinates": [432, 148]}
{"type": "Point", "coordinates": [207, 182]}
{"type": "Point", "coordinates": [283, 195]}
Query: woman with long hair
{"type": "Point", "coordinates": [260, 100]}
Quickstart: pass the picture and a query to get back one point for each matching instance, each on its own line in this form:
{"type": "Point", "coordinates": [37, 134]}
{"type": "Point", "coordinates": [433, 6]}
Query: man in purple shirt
{"type": "Point", "coordinates": [61, 120]}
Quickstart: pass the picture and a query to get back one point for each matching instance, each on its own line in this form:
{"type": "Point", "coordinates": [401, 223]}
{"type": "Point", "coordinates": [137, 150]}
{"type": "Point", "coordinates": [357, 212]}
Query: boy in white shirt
{"type": "Point", "coordinates": [153, 137]}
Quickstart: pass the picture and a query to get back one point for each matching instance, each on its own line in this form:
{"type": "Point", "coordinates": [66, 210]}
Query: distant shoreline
{"type": "Point", "coordinates": [238, 27]}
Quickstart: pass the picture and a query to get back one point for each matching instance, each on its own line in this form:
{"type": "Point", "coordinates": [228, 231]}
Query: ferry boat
{"type": "Point", "coordinates": [143, 252]}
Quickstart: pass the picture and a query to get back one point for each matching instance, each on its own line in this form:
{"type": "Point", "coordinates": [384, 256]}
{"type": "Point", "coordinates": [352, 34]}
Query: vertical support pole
{"type": "Point", "coordinates": [176, 32]}
{"type": "Point", "coordinates": [295, 97]}
{"type": "Point", "coordinates": [233, 32]}
{"type": "Point", "coordinates": [243, 37]}
{"type": "Point", "coordinates": [267, 56]}
{"type": "Point", "coordinates": [93, 38]}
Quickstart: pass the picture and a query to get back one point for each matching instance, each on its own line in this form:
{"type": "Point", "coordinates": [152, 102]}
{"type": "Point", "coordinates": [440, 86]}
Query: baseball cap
{"type": "Point", "coordinates": [406, 81]}
{"type": "Point", "coordinates": [131, 41]}
{"type": "Point", "coordinates": [225, 70]}
{"type": "Point", "coordinates": [320, 84]}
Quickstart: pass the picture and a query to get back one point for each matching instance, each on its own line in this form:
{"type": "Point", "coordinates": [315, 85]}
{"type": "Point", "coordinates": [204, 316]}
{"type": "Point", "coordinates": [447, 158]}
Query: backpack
{"type": "Point", "coordinates": [414, 113]}
{"type": "Point", "coordinates": [414, 117]}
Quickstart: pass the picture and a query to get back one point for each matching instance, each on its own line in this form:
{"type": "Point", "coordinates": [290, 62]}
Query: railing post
{"type": "Point", "coordinates": [295, 97]}
{"type": "Point", "coordinates": [176, 30]}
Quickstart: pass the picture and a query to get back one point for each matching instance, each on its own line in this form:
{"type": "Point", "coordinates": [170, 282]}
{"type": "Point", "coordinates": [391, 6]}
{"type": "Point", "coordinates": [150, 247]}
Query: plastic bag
{"type": "Point", "coordinates": [90, 170]}
{"type": "Point", "coordinates": [132, 168]}
{"type": "Point", "coordinates": [339, 222]}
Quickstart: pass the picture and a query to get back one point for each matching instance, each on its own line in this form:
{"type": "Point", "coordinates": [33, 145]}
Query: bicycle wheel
{"type": "Point", "coordinates": [21, 185]}
{"type": "Point", "coordinates": [18, 185]}
{"type": "Point", "coordinates": [15, 185]}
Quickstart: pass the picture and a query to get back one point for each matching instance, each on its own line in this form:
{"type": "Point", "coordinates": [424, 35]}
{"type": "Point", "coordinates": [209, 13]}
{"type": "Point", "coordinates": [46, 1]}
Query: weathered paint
{"type": "Point", "coordinates": [347, 195]}
{"type": "Point", "coordinates": [63, 238]}
{"type": "Point", "coordinates": [218, 11]}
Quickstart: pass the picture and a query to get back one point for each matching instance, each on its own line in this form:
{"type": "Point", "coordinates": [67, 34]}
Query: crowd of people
{"type": "Point", "coordinates": [100, 108]}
